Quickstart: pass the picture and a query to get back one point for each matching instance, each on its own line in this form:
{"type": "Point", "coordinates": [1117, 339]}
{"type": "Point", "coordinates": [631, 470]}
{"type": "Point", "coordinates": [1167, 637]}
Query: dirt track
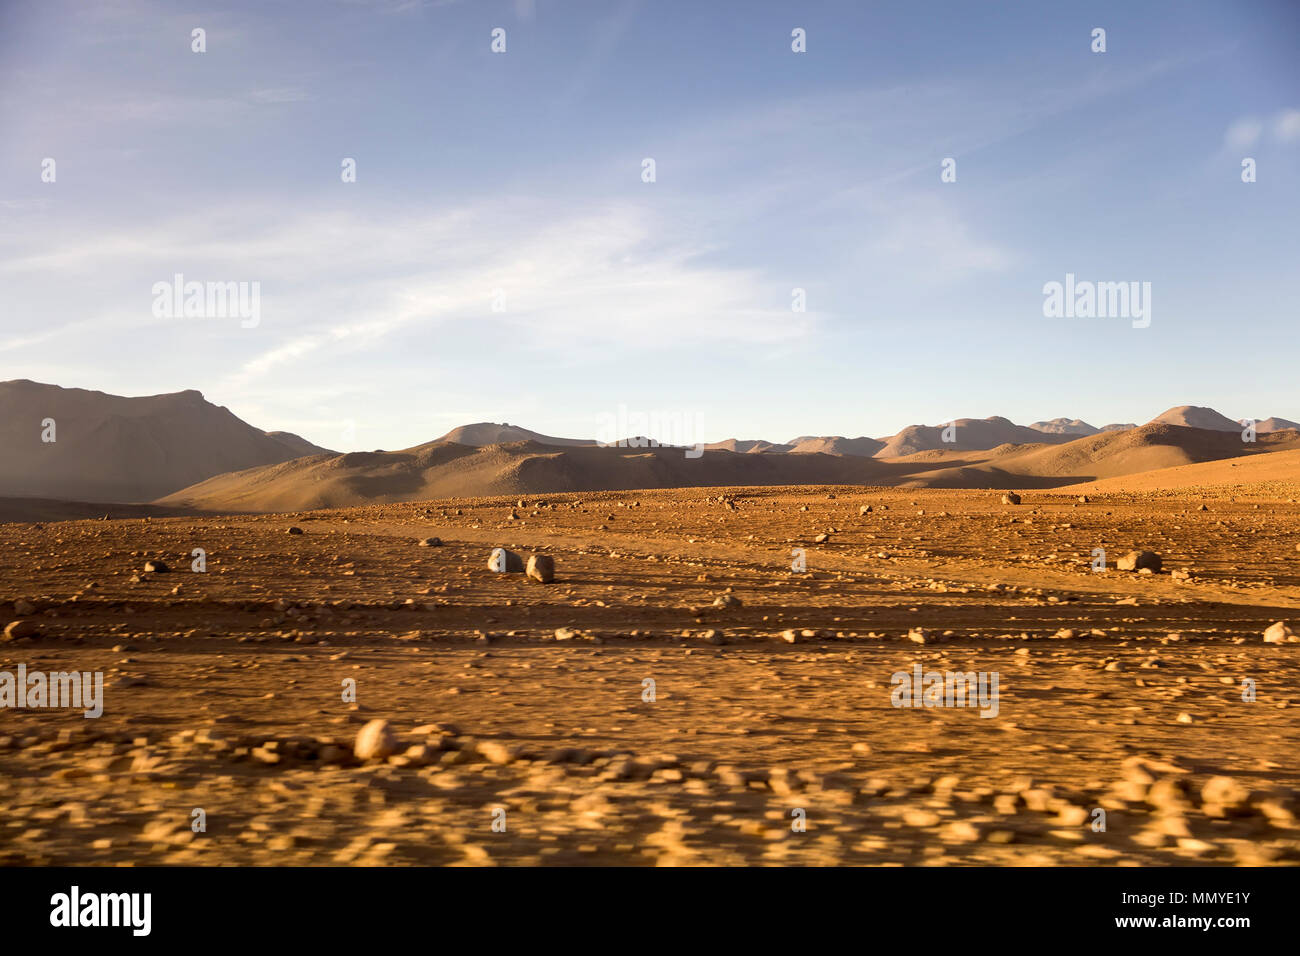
{"type": "Point", "coordinates": [227, 694]}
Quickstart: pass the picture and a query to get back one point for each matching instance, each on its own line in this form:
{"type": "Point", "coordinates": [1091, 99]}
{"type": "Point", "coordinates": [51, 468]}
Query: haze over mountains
{"type": "Point", "coordinates": [180, 451]}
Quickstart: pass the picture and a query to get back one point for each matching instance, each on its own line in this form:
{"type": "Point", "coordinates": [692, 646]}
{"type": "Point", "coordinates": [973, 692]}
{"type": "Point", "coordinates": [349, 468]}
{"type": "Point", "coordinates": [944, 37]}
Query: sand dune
{"type": "Point", "coordinates": [111, 448]}
{"type": "Point", "coordinates": [1253, 470]}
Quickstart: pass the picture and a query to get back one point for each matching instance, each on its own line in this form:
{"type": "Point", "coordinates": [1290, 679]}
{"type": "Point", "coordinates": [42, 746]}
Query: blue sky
{"type": "Point", "coordinates": [521, 172]}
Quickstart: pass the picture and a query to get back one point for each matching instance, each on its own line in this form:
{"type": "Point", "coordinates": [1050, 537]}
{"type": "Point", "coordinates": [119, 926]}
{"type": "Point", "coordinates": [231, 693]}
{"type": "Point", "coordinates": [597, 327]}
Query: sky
{"type": "Point", "coordinates": [501, 257]}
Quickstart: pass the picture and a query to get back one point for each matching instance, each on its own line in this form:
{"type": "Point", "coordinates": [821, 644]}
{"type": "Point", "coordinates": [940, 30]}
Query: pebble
{"type": "Point", "coordinates": [375, 740]}
{"type": "Point", "coordinates": [20, 630]}
{"type": "Point", "coordinates": [1278, 633]}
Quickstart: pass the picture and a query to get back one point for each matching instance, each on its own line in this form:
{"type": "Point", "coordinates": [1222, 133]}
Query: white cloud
{"type": "Point", "coordinates": [615, 278]}
{"type": "Point", "coordinates": [1243, 133]}
{"type": "Point", "coordinates": [1286, 126]}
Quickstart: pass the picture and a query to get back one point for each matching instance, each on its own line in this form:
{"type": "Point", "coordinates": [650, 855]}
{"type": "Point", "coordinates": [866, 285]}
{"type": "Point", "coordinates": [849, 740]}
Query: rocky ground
{"type": "Point", "coordinates": [677, 695]}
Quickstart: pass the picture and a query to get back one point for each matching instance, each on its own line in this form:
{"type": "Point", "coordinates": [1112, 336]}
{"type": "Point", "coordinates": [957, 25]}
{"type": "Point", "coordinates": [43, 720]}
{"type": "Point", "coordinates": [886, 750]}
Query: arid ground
{"type": "Point", "coordinates": [770, 736]}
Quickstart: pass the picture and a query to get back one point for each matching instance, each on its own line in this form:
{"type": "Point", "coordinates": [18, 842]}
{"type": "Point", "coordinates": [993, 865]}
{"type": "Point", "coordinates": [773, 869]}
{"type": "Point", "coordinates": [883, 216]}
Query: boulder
{"type": "Point", "coordinates": [1139, 561]}
{"type": "Point", "coordinates": [504, 561]}
{"type": "Point", "coordinates": [375, 741]}
{"type": "Point", "coordinates": [541, 568]}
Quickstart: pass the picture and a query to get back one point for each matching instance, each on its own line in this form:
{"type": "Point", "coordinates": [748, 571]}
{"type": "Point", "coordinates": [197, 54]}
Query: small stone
{"type": "Point", "coordinates": [375, 740]}
{"type": "Point", "coordinates": [22, 607]}
{"type": "Point", "coordinates": [919, 635]}
{"type": "Point", "coordinates": [1224, 792]}
{"type": "Point", "coordinates": [1278, 633]}
{"type": "Point", "coordinates": [505, 561]}
{"type": "Point", "coordinates": [1139, 561]}
{"type": "Point", "coordinates": [156, 567]}
{"type": "Point", "coordinates": [865, 510]}
{"type": "Point", "coordinates": [431, 542]}
{"type": "Point", "coordinates": [20, 630]}
{"type": "Point", "coordinates": [295, 530]}
{"type": "Point", "coordinates": [541, 568]}
{"type": "Point", "coordinates": [1011, 498]}
{"type": "Point", "coordinates": [821, 539]}
{"type": "Point", "coordinates": [496, 752]}
{"type": "Point", "coordinates": [727, 600]}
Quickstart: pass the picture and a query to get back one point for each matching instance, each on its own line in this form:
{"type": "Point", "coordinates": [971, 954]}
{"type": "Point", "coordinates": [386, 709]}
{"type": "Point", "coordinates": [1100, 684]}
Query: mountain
{"type": "Point", "coordinates": [1275, 424]}
{"type": "Point", "coordinates": [1194, 416]}
{"type": "Point", "coordinates": [751, 446]}
{"type": "Point", "coordinates": [446, 470]}
{"type": "Point", "coordinates": [835, 445]}
{"type": "Point", "coordinates": [1065, 426]}
{"type": "Point", "coordinates": [968, 434]}
{"type": "Point", "coordinates": [1104, 455]}
{"type": "Point", "coordinates": [450, 470]}
{"type": "Point", "coordinates": [117, 449]}
{"type": "Point", "coordinates": [1113, 427]}
{"type": "Point", "coordinates": [489, 433]}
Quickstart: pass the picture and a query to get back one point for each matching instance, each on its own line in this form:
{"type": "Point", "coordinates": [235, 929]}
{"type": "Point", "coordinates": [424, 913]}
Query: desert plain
{"type": "Point", "coordinates": [680, 693]}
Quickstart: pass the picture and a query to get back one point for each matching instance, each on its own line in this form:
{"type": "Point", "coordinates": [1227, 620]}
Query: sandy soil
{"type": "Point", "coordinates": [1118, 691]}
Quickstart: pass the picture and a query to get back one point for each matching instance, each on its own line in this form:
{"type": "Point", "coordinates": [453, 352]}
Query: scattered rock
{"type": "Point", "coordinates": [431, 542]}
{"type": "Point", "coordinates": [376, 740]}
{"type": "Point", "coordinates": [1139, 561]}
{"type": "Point", "coordinates": [156, 567]}
{"type": "Point", "coordinates": [1011, 498]}
{"type": "Point", "coordinates": [20, 630]}
{"type": "Point", "coordinates": [1278, 633]}
{"type": "Point", "coordinates": [295, 530]}
{"type": "Point", "coordinates": [727, 600]}
{"type": "Point", "coordinates": [1224, 792]}
{"type": "Point", "coordinates": [865, 510]}
{"type": "Point", "coordinates": [541, 568]}
{"type": "Point", "coordinates": [505, 561]}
